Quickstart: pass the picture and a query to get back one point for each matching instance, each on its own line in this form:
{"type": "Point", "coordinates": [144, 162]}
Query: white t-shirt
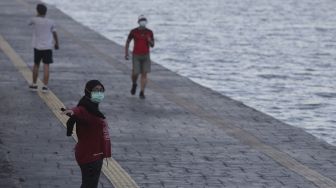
{"type": "Point", "coordinates": [42, 33]}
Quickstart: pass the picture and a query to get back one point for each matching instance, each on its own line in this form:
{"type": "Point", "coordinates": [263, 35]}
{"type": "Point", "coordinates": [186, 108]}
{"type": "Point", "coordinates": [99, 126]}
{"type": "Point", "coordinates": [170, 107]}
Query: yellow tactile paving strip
{"type": "Point", "coordinates": [112, 170]}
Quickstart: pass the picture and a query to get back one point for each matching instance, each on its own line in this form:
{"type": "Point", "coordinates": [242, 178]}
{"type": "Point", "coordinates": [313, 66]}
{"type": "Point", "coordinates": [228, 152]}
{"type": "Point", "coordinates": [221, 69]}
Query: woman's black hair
{"type": "Point", "coordinates": [41, 9]}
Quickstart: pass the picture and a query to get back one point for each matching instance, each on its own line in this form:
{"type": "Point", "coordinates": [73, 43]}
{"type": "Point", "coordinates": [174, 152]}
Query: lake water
{"type": "Point", "coordinates": [277, 56]}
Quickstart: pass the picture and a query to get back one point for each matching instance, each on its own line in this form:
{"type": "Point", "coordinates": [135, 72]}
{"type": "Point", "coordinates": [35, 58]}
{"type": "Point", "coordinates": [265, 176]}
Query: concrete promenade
{"type": "Point", "coordinates": [183, 135]}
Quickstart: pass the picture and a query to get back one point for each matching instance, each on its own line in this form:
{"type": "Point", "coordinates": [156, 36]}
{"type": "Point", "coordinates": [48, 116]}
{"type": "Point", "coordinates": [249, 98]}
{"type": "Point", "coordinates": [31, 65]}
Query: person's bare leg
{"type": "Point", "coordinates": [46, 74]}
{"type": "Point", "coordinates": [35, 72]}
{"type": "Point", "coordinates": [134, 83]}
{"type": "Point", "coordinates": [143, 81]}
{"type": "Point", "coordinates": [135, 78]}
{"type": "Point", "coordinates": [143, 85]}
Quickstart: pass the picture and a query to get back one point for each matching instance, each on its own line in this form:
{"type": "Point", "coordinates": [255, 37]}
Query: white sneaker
{"type": "Point", "coordinates": [33, 87]}
{"type": "Point", "coordinates": [45, 89]}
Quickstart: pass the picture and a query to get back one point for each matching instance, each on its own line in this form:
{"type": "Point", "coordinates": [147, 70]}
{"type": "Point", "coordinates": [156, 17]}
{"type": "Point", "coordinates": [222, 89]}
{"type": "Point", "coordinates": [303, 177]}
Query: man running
{"type": "Point", "coordinates": [143, 39]}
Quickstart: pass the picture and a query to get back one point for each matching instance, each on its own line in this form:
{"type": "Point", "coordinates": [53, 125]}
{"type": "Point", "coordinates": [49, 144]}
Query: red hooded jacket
{"type": "Point", "coordinates": [93, 138]}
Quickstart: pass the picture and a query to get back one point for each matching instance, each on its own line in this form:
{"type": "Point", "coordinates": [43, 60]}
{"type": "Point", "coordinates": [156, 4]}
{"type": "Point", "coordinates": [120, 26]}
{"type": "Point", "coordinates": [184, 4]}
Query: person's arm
{"type": "Point", "coordinates": [151, 40]}
{"type": "Point", "coordinates": [129, 39]}
{"type": "Point", "coordinates": [70, 124]}
{"type": "Point", "coordinates": [56, 40]}
{"type": "Point", "coordinates": [71, 121]}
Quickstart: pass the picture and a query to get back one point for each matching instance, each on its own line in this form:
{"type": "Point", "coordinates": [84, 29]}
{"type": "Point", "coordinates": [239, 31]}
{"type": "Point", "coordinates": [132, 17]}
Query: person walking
{"type": "Point", "coordinates": [143, 40]}
{"type": "Point", "coordinates": [92, 131]}
{"type": "Point", "coordinates": [44, 39]}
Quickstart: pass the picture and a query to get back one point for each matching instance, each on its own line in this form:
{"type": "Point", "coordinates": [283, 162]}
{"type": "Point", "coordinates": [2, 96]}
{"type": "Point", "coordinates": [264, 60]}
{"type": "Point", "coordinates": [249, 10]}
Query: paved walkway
{"type": "Point", "coordinates": [182, 135]}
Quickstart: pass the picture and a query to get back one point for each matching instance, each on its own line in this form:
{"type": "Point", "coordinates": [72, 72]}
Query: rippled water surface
{"type": "Point", "coordinates": [275, 55]}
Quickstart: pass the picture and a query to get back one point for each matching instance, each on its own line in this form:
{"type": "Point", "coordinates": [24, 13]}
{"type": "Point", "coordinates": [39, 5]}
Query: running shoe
{"type": "Point", "coordinates": [45, 89]}
{"type": "Point", "coordinates": [142, 95]}
{"type": "Point", "coordinates": [33, 87]}
{"type": "Point", "coordinates": [133, 90]}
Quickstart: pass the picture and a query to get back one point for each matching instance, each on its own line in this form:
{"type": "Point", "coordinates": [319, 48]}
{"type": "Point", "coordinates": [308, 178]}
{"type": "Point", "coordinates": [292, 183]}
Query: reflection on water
{"type": "Point", "coordinates": [276, 56]}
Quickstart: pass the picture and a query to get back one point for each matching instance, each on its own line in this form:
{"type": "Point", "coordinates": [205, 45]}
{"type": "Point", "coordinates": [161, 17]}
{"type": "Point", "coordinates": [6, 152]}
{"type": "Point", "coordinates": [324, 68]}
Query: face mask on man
{"type": "Point", "coordinates": [143, 23]}
{"type": "Point", "coordinates": [97, 96]}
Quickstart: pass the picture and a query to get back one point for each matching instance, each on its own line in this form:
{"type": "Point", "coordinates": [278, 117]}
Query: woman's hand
{"type": "Point", "coordinates": [67, 112]}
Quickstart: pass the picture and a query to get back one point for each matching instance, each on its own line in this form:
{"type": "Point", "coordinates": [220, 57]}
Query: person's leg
{"type": "Point", "coordinates": [91, 173]}
{"type": "Point", "coordinates": [46, 74]}
{"type": "Point", "coordinates": [143, 81]}
{"type": "Point", "coordinates": [47, 60]}
{"type": "Point", "coordinates": [145, 69]}
{"type": "Point", "coordinates": [143, 85]}
{"type": "Point", "coordinates": [134, 82]}
{"type": "Point", "coordinates": [134, 78]}
{"type": "Point", "coordinates": [37, 60]}
{"type": "Point", "coordinates": [35, 72]}
{"type": "Point", "coordinates": [135, 73]}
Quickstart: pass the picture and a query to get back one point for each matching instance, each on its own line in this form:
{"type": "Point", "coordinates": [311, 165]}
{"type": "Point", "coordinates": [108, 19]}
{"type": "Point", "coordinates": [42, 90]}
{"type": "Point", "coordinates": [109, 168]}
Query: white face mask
{"type": "Point", "coordinates": [143, 23]}
{"type": "Point", "coordinates": [97, 96]}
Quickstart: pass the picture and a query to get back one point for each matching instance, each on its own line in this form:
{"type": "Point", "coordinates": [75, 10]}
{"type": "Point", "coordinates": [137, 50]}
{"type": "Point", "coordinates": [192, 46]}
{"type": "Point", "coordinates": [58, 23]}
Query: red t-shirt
{"type": "Point", "coordinates": [93, 138]}
{"type": "Point", "coordinates": [141, 44]}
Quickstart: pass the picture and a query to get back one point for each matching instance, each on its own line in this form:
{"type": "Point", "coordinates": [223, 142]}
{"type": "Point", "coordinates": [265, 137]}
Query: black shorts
{"type": "Point", "coordinates": [43, 55]}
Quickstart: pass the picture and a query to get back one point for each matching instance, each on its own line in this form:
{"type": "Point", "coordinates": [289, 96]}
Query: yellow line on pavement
{"type": "Point", "coordinates": [112, 170]}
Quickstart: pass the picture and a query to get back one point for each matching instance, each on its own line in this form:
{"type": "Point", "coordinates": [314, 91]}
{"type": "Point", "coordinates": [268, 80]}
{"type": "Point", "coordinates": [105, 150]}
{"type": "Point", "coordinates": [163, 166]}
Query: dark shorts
{"type": "Point", "coordinates": [43, 55]}
{"type": "Point", "coordinates": [141, 64]}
